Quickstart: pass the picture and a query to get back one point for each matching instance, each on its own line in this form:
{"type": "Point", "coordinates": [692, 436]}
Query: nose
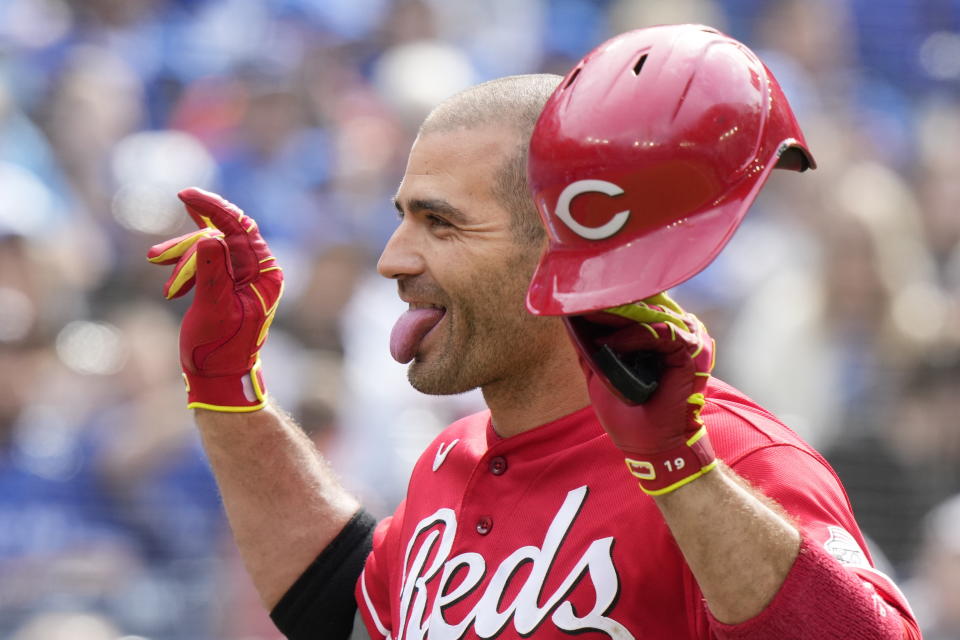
{"type": "Point", "coordinates": [402, 256]}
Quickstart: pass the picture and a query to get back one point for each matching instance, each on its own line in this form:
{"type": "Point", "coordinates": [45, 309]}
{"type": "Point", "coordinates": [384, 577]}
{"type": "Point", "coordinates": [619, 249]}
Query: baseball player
{"type": "Point", "coordinates": [527, 519]}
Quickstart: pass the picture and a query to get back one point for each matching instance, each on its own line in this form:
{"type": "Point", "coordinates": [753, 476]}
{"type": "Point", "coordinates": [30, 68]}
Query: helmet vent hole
{"type": "Point", "coordinates": [637, 67]}
{"type": "Point", "coordinates": [573, 76]}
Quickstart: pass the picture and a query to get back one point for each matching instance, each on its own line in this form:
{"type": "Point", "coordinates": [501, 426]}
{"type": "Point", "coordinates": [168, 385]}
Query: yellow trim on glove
{"type": "Point", "coordinates": [676, 485]}
{"type": "Point", "coordinates": [188, 271]}
{"type": "Point", "coordinates": [218, 408]}
{"type": "Point", "coordinates": [697, 400]}
{"type": "Point", "coordinates": [258, 391]}
{"type": "Point", "coordinates": [644, 314]}
{"type": "Point", "coordinates": [174, 251]}
{"type": "Point", "coordinates": [702, 431]}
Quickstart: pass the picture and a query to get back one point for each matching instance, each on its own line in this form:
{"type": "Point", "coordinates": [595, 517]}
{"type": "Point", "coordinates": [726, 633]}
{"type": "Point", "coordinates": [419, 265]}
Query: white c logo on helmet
{"type": "Point", "coordinates": [589, 186]}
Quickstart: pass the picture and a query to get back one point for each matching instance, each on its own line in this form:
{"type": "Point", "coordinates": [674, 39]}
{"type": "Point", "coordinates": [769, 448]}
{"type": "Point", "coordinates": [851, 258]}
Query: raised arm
{"type": "Point", "coordinates": [760, 576]}
{"type": "Point", "coordinates": [283, 503]}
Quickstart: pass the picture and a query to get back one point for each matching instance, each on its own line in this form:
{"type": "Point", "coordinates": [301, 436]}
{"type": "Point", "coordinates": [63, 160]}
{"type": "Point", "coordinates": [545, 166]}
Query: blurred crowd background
{"type": "Point", "coordinates": [837, 304]}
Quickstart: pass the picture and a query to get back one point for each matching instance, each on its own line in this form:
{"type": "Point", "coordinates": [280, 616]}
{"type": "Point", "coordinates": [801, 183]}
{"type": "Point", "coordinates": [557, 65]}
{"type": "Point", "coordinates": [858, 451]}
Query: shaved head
{"type": "Point", "coordinates": [514, 102]}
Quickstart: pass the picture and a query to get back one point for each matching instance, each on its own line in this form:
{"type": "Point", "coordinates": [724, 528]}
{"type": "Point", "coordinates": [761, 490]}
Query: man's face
{"type": "Point", "coordinates": [454, 249]}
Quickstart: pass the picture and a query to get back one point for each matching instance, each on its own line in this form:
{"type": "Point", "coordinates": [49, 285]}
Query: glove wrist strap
{"type": "Point", "coordinates": [228, 394]}
{"type": "Point", "coordinates": [666, 471]}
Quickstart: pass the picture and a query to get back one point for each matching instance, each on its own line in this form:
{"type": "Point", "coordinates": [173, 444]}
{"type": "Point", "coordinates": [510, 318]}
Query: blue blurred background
{"type": "Point", "coordinates": [837, 304]}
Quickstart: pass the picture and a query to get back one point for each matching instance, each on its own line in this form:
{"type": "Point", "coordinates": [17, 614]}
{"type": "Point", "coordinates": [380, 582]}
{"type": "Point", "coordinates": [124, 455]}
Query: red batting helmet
{"type": "Point", "coordinates": [646, 158]}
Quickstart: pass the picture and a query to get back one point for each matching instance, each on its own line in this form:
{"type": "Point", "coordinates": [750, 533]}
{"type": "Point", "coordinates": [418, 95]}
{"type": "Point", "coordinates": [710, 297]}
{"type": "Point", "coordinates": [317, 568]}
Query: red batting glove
{"type": "Point", "coordinates": [238, 286]}
{"type": "Point", "coordinates": [647, 365]}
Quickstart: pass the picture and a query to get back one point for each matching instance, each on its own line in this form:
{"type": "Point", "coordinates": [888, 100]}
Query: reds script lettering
{"type": "Point", "coordinates": [525, 611]}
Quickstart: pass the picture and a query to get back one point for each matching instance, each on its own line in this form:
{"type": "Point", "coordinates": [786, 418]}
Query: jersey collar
{"type": "Point", "coordinates": [565, 432]}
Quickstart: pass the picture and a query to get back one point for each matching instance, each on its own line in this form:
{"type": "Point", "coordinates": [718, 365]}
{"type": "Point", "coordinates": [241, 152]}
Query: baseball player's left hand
{"type": "Point", "coordinates": [647, 365]}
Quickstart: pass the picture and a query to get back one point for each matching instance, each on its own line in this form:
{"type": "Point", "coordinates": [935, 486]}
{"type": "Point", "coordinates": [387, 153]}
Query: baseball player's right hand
{"type": "Point", "coordinates": [647, 365]}
{"type": "Point", "coordinates": [238, 287]}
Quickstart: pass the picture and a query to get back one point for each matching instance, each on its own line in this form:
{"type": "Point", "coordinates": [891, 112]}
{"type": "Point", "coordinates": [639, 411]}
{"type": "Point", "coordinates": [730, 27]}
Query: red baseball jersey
{"type": "Point", "coordinates": [546, 534]}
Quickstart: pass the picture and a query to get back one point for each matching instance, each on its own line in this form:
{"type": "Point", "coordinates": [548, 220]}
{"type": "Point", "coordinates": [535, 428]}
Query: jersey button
{"type": "Point", "coordinates": [484, 525]}
{"type": "Point", "coordinates": [498, 465]}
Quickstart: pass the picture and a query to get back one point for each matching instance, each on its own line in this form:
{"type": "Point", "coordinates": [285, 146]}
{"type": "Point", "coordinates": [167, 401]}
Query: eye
{"type": "Point", "coordinates": [436, 221]}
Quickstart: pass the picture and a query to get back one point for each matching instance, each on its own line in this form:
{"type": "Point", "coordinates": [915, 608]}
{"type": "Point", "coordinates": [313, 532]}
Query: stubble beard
{"type": "Point", "coordinates": [489, 336]}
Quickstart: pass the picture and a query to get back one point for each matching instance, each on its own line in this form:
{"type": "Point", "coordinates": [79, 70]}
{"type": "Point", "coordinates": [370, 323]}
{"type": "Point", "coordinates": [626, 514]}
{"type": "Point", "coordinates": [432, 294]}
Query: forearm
{"type": "Point", "coordinates": [282, 501]}
{"type": "Point", "coordinates": [739, 549]}
{"type": "Point", "coordinates": [822, 600]}
{"type": "Point", "coordinates": [759, 577]}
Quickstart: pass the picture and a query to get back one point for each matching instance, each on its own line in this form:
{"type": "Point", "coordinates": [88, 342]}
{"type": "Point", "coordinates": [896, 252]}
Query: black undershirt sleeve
{"type": "Point", "coordinates": [321, 602]}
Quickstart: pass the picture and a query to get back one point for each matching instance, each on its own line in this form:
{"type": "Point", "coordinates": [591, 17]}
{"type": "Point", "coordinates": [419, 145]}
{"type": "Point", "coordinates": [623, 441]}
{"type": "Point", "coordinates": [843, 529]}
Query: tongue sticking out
{"type": "Point", "coordinates": [410, 329]}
